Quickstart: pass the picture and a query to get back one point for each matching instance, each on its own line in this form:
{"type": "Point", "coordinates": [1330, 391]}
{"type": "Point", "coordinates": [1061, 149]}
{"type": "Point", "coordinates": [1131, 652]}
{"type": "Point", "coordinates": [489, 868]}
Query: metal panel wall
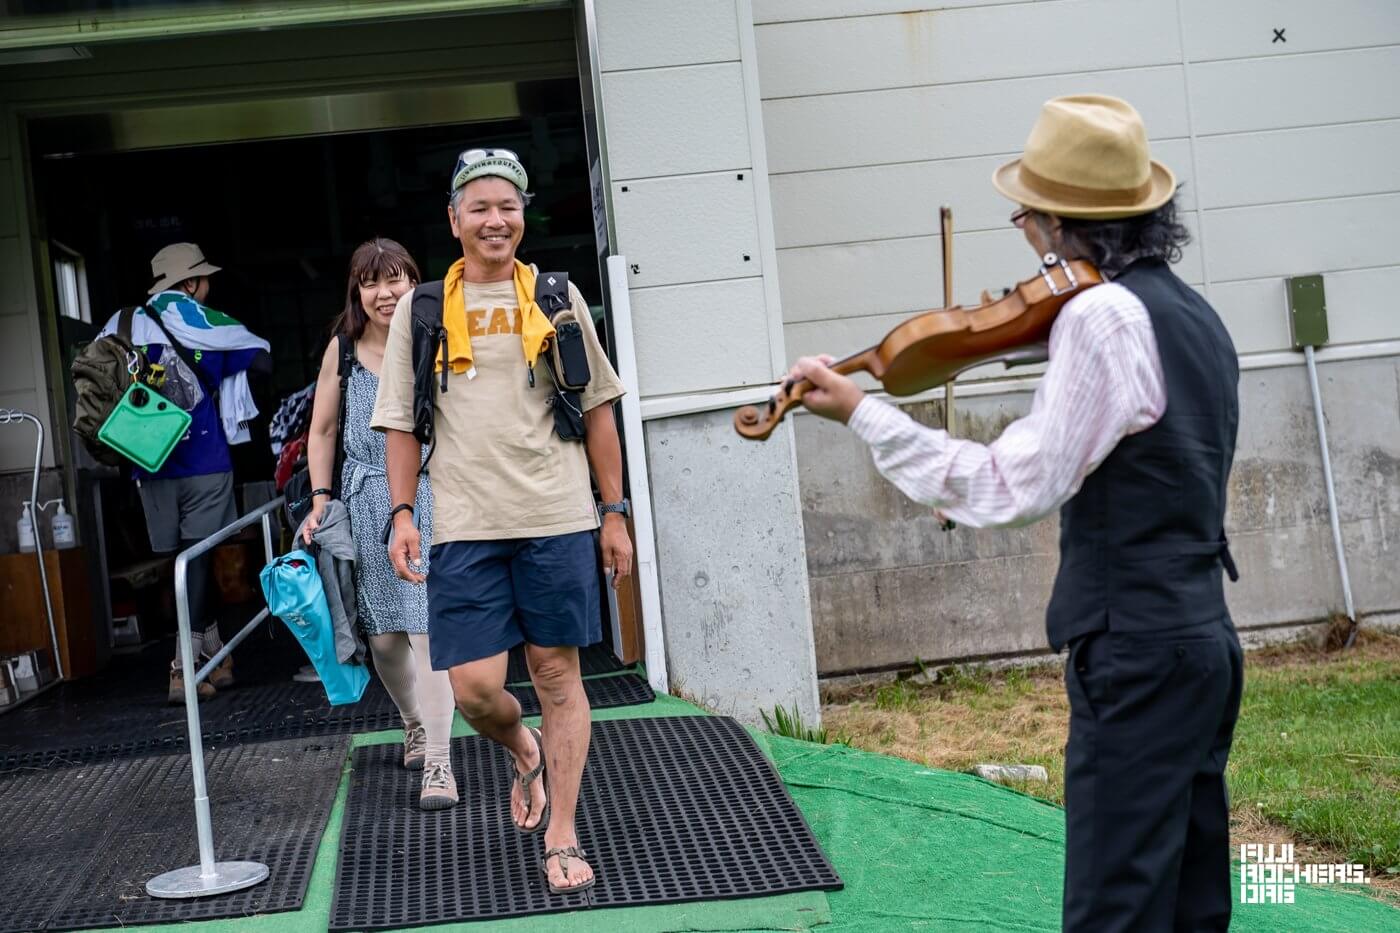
{"type": "Point", "coordinates": [878, 111]}
{"type": "Point", "coordinates": [685, 320]}
{"type": "Point", "coordinates": [688, 179]}
{"type": "Point", "coordinates": [834, 56]}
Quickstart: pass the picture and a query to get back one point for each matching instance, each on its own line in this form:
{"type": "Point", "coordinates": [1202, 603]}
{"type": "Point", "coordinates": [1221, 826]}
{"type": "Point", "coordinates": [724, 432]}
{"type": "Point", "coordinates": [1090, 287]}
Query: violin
{"type": "Point", "coordinates": [932, 348]}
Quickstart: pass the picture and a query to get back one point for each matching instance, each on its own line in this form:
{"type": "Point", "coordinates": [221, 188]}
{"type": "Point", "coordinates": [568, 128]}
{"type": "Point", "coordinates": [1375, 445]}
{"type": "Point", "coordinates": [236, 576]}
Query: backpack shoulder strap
{"type": "Point", "coordinates": [346, 363]}
{"type": "Point", "coordinates": [427, 302]}
{"type": "Point", "coordinates": [346, 348]}
{"type": "Point", "coordinates": [427, 316]}
{"type": "Point", "coordinates": [552, 292]}
{"type": "Point", "coordinates": [124, 322]}
{"type": "Point", "coordinates": [175, 345]}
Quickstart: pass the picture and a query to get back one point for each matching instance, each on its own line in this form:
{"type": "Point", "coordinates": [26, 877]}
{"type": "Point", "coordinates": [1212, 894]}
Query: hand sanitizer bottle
{"type": "Point", "coordinates": [26, 531]}
{"type": "Point", "coordinates": [62, 526]}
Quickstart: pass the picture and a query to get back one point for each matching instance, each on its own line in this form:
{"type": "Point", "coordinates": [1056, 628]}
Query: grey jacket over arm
{"type": "Point", "coordinates": [334, 548]}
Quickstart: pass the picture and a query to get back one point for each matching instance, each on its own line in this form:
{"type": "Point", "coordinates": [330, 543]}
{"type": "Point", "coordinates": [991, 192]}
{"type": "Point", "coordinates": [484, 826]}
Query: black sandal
{"type": "Point", "coordinates": [528, 778]}
{"type": "Point", "coordinates": [564, 853]}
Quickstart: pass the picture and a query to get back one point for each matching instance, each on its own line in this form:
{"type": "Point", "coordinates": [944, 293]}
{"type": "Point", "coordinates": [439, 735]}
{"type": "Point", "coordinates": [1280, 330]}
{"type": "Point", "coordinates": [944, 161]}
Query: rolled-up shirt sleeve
{"type": "Point", "coordinates": [1104, 382]}
{"type": "Point", "coordinates": [393, 404]}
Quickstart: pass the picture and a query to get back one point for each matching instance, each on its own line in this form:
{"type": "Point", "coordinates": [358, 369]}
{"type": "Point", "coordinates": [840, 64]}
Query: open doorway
{"type": "Point", "coordinates": [281, 217]}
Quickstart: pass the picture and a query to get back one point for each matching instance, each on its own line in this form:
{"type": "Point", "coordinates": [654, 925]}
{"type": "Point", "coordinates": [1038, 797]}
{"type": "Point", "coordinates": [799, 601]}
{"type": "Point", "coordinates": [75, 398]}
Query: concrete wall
{"type": "Point", "coordinates": [888, 586]}
{"type": "Point", "coordinates": [688, 179]}
{"type": "Point", "coordinates": [878, 111]}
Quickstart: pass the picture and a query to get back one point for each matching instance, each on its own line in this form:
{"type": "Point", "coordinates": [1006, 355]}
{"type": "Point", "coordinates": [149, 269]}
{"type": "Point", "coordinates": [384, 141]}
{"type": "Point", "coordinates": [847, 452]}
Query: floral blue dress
{"type": "Point", "coordinates": [386, 603]}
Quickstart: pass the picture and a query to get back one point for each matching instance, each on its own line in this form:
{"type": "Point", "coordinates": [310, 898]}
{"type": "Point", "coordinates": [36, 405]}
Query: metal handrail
{"type": "Point", "coordinates": [9, 416]}
{"type": "Point", "coordinates": [209, 877]}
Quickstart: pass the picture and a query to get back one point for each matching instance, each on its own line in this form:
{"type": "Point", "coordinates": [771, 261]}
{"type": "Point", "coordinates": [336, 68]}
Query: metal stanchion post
{"type": "Point", "coordinates": [208, 877]}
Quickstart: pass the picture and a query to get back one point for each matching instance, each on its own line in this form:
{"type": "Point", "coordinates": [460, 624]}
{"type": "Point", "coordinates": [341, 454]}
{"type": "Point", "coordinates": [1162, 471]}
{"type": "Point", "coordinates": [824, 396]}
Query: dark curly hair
{"type": "Point", "coordinates": [1113, 245]}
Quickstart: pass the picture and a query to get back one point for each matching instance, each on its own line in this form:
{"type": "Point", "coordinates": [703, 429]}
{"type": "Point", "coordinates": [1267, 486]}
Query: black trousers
{"type": "Point", "coordinates": [1146, 809]}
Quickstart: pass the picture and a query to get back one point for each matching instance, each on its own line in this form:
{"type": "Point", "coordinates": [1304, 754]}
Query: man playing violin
{"type": "Point", "coordinates": [1131, 435]}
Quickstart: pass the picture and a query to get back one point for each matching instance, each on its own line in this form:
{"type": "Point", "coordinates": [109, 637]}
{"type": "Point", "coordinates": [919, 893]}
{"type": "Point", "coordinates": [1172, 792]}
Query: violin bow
{"type": "Point", "coordinates": [945, 218]}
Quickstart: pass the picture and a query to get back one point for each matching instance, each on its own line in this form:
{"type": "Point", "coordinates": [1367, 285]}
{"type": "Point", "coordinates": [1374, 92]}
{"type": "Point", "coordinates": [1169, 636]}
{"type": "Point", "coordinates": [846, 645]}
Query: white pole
{"type": "Point", "coordinates": [646, 570]}
{"type": "Point", "coordinates": [1327, 478]}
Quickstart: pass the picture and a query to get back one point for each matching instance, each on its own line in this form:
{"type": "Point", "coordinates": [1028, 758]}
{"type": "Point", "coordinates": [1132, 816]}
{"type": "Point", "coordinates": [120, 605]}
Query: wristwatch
{"type": "Point", "coordinates": [625, 507]}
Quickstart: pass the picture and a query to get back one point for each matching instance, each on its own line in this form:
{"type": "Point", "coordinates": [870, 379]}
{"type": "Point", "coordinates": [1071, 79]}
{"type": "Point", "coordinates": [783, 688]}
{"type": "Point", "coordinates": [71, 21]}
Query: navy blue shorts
{"type": "Point", "coordinates": [485, 597]}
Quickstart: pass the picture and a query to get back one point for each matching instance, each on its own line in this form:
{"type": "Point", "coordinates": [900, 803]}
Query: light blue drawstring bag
{"type": "Point", "coordinates": [292, 586]}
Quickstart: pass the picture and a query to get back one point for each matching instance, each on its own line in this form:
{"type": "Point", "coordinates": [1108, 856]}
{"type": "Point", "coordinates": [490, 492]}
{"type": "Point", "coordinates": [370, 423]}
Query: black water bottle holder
{"type": "Point", "coordinates": [570, 357]}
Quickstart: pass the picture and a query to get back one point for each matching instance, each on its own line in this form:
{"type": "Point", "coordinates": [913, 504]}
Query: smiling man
{"type": "Point", "coordinates": [514, 557]}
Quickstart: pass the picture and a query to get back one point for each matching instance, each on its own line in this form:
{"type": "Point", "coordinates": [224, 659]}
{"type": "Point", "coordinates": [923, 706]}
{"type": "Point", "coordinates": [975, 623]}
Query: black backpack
{"type": "Point", "coordinates": [297, 492]}
{"type": "Point", "coordinates": [565, 360]}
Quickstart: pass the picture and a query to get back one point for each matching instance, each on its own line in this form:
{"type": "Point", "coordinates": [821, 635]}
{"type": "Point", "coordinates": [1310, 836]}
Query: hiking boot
{"type": "Point", "coordinates": [439, 787]}
{"type": "Point", "coordinates": [204, 691]}
{"type": "Point", "coordinates": [415, 747]}
{"type": "Point", "coordinates": [222, 676]}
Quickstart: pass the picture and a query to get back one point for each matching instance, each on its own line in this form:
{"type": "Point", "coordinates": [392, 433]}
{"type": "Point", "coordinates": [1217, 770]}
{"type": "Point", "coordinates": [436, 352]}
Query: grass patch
{"type": "Point", "coordinates": [1315, 761]}
{"type": "Point", "coordinates": [788, 722]}
{"type": "Point", "coordinates": [1317, 749]}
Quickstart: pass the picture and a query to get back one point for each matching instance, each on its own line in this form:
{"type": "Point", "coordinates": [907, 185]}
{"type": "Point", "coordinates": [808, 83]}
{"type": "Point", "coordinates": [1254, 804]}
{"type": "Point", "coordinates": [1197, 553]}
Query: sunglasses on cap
{"type": "Point", "coordinates": [469, 157]}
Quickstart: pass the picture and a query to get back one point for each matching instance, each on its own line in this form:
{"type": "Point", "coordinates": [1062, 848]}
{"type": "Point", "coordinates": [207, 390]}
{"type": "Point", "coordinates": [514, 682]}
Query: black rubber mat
{"type": "Point", "coordinates": [671, 809]}
{"type": "Point", "coordinates": [593, 660]}
{"type": "Point", "coordinates": [603, 693]}
{"type": "Point", "coordinates": [80, 844]}
{"type": "Point", "coordinates": [78, 724]}
{"type": "Point", "coordinates": [86, 726]}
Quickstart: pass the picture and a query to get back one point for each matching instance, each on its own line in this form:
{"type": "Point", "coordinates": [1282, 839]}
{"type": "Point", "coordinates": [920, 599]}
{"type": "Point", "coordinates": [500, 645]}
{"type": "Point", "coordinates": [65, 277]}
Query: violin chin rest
{"type": "Point", "coordinates": [1028, 355]}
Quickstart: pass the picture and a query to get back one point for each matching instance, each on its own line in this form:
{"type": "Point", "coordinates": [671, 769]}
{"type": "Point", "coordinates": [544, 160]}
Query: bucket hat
{"type": "Point", "coordinates": [177, 262]}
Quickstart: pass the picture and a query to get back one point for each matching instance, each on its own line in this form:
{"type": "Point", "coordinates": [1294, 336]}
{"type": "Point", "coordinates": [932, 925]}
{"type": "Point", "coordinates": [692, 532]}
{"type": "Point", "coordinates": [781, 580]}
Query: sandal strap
{"type": "Point", "coordinates": [564, 853]}
{"type": "Point", "coordinates": [529, 777]}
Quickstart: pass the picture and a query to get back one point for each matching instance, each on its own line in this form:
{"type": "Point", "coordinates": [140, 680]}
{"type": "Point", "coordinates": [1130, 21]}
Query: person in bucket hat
{"type": "Point", "coordinates": [516, 530]}
{"type": "Point", "coordinates": [1130, 436]}
{"type": "Point", "coordinates": [191, 496]}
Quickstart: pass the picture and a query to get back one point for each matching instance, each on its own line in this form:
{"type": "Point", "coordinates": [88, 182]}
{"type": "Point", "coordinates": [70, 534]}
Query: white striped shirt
{"type": "Point", "coordinates": [1104, 382]}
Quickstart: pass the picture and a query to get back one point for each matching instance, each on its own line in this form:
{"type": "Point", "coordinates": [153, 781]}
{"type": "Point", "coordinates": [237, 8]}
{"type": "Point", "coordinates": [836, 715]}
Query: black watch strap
{"type": "Point", "coordinates": [330, 493]}
{"type": "Point", "coordinates": [389, 525]}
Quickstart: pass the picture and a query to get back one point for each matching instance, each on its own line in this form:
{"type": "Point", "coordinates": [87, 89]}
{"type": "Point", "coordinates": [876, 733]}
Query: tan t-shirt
{"type": "Point", "coordinates": [499, 470]}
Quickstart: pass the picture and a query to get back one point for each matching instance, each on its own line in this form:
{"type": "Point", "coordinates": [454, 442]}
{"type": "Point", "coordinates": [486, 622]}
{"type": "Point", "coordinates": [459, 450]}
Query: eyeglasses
{"type": "Point", "coordinates": [469, 157]}
{"type": "Point", "coordinates": [1018, 219]}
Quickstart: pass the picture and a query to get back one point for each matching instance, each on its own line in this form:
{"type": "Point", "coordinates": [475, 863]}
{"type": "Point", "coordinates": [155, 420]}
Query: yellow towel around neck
{"type": "Point", "coordinates": [535, 329]}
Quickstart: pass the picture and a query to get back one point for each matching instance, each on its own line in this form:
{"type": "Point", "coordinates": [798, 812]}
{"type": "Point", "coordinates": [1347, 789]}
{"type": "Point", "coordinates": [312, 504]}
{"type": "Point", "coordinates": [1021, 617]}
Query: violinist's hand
{"type": "Point", "coordinates": [832, 395]}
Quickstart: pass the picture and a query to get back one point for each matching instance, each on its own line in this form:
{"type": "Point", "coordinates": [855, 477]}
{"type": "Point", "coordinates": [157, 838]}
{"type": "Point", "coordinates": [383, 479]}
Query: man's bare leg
{"type": "Point", "coordinates": [479, 687]}
{"type": "Point", "coordinates": [555, 674]}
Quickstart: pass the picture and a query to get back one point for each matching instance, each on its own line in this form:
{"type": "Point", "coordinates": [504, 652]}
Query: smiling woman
{"type": "Point", "coordinates": [381, 270]}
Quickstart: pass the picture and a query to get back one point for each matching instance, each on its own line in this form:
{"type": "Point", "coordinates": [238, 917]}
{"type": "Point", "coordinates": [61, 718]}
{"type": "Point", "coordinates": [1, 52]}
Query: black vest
{"type": "Point", "coordinates": [1143, 541]}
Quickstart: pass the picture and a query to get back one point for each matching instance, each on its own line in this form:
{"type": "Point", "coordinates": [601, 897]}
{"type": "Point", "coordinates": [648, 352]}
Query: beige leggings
{"type": "Point", "coordinates": [422, 695]}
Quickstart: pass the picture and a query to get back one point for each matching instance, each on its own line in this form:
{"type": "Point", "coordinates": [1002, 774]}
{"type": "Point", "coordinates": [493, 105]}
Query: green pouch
{"type": "Point", "coordinates": [144, 427]}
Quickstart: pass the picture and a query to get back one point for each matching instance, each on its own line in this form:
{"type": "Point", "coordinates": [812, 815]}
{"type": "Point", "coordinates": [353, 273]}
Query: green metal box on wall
{"type": "Point", "coordinates": [1307, 311]}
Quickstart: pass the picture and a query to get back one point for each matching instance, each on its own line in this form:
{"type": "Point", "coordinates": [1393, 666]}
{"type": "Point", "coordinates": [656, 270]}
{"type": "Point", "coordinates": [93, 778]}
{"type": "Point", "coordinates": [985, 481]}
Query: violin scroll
{"type": "Point", "coordinates": [756, 422]}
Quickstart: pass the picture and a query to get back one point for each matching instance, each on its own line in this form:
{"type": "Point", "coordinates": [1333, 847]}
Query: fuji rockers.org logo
{"type": "Point", "coordinates": [1269, 874]}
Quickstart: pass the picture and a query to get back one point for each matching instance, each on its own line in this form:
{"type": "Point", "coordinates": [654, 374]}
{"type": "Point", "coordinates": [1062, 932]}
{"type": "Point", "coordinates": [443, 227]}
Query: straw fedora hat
{"type": "Point", "coordinates": [1087, 157]}
{"type": "Point", "coordinates": [177, 262]}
